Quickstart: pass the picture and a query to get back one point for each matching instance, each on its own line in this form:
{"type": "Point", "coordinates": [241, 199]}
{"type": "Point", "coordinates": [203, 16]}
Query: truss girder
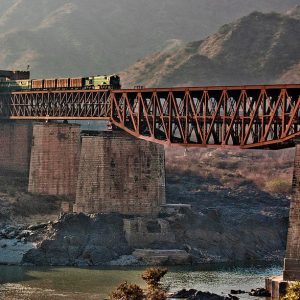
{"type": "Point", "coordinates": [83, 104]}
{"type": "Point", "coordinates": [240, 116]}
{"type": "Point", "coordinates": [245, 117]}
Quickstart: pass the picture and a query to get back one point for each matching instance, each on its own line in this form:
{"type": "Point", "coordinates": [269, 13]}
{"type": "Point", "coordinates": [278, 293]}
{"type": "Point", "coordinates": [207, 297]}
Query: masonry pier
{"type": "Point", "coordinates": [54, 159]}
{"type": "Point", "coordinates": [15, 141]}
{"type": "Point", "coordinates": [278, 285]}
{"type": "Point", "coordinates": [100, 172]}
{"type": "Point", "coordinates": [119, 173]}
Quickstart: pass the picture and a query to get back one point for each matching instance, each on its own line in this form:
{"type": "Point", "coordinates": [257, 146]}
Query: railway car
{"type": "Point", "coordinates": [37, 84]}
{"type": "Point", "coordinates": [63, 83]}
{"type": "Point", "coordinates": [76, 83]}
{"type": "Point", "coordinates": [92, 82]}
{"type": "Point", "coordinates": [50, 84]}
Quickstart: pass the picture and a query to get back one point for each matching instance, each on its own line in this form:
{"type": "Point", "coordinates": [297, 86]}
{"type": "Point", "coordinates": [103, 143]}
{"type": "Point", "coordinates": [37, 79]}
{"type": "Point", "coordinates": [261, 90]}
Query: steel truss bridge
{"type": "Point", "coordinates": [233, 116]}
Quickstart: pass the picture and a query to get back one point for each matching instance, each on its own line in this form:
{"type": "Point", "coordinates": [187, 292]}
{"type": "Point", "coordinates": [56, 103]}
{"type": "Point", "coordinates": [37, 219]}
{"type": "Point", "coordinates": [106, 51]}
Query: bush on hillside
{"type": "Point", "coordinates": [279, 186]}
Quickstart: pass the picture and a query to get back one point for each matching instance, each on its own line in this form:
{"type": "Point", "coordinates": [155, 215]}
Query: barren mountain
{"type": "Point", "coordinates": [73, 37]}
{"type": "Point", "coordinates": [257, 49]}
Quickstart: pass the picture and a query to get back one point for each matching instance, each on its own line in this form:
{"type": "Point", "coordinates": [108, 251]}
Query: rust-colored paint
{"type": "Point", "coordinates": [256, 116]}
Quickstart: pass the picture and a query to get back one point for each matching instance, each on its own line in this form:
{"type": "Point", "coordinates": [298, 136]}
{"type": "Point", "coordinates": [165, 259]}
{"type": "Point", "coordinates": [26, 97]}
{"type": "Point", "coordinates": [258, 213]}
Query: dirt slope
{"type": "Point", "coordinates": [256, 49]}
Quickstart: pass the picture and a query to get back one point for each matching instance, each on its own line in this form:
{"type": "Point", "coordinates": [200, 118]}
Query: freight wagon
{"type": "Point", "coordinates": [92, 82]}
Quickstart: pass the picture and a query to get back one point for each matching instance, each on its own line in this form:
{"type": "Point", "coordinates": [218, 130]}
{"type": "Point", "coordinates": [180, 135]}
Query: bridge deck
{"type": "Point", "coordinates": [223, 116]}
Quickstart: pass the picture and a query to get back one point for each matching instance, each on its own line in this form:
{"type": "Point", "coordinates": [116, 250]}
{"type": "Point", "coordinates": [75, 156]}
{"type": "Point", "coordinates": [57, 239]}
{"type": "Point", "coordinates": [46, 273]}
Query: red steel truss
{"type": "Point", "coordinates": [241, 116]}
{"type": "Point", "coordinates": [244, 116]}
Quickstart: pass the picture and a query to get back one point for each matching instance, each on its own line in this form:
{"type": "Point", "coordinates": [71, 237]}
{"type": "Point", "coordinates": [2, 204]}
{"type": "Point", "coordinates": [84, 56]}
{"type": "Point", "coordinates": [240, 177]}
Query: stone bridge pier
{"type": "Point", "coordinates": [292, 257]}
{"type": "Point", "coordinates": [98, 172]}
{"type": "Point", "coordinates": [277, 285]}
{"type": "Point", "coordinates": [15, 146]}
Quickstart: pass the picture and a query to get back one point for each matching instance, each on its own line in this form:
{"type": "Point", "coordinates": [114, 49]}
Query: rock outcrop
{"type": "Point", "coordinates": [199, 295]}
{"type": "Point", "coordinates": [81, 240]}
{"type": "Point", "coordinates": [207, 236]}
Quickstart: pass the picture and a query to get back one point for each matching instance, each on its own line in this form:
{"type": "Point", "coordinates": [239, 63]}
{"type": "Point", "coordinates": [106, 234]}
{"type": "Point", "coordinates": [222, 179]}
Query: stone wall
{"type": "Point", "coordinates": [292, 260]}
{"type": "Point", "coordinates": [119, 173]}
{"type": "Point", "coordinates": [144, 233]}
{"type": "Point", "coordinates": [54, 159]}
{"type": "Point", "coordinates": [15, 141]}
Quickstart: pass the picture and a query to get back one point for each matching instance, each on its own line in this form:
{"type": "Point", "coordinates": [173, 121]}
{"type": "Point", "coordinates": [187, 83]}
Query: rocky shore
{"type": "Point", "coordinates": [178, 238]}
{"type": "Point", "coordinates": [193, 294]}
{"type": "Point", "coordinates": [15, 241]}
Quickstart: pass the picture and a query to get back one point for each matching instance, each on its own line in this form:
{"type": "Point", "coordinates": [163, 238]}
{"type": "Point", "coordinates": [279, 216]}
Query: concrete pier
{"type": "Point", "coordinates": [54, 159]}
{"type": "Point", "coordinates": [119, 173]}
{"type": "Point", "coordinates": [15, 141]}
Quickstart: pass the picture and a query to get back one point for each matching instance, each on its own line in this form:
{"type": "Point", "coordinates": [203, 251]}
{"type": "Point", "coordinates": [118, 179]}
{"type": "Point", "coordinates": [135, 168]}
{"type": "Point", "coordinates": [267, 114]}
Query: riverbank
{"type": "Point", "coordinates": [59, 283]}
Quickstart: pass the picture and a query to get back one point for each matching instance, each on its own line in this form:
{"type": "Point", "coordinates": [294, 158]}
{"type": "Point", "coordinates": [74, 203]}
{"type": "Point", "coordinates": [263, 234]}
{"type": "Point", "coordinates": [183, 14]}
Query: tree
{"type": "Point", "coordinates": [154, 290]}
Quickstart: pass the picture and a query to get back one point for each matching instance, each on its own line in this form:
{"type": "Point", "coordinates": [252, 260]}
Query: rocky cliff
{"type": "Point", "coordinates": [257, 49]}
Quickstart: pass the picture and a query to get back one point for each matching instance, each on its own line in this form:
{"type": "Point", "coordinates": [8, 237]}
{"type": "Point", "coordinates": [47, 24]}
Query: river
{"type": "Point", "coordinates": [39, 283]}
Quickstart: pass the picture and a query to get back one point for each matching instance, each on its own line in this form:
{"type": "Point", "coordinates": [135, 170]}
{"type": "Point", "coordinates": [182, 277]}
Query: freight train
{"type": "Point", "coordinates": [78, 83]}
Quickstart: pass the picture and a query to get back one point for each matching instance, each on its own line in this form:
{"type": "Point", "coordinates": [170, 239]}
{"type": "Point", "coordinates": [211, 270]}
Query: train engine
{"type": "Point", "coordinates": [102, 82]}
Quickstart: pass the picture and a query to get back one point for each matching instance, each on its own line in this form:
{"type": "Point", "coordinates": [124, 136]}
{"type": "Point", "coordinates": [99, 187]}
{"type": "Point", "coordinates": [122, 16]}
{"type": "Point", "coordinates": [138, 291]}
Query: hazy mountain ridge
{"type": "Point", "coordinates": [63, 37]}
{"type": "Point", "coordinates": [257, 49]}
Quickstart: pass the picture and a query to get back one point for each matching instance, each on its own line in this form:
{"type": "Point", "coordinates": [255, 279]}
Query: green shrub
{"type": "Point", "coordinates": [279, 186]}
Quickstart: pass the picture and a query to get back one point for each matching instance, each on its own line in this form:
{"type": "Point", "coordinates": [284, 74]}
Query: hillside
{"type": "Point", "coordinates": [256, 49]}
{"type": "Point", "coordinates": [64, 38]}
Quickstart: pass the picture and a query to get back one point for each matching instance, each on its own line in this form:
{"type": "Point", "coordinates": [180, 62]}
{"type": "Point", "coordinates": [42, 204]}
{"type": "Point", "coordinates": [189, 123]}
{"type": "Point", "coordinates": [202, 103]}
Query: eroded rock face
{"type": "Point", "coordinates": [81, 240]}
{"type": "Point", "coordinates": [184, 237]}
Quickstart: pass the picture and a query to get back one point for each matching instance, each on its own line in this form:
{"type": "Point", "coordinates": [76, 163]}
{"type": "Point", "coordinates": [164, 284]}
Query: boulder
{"type": "Point", "coordinates": [37, 226]}
{"type": "Point", "coordinates": [184, 294]}
{"type": "Point", "coordinates": [209, 296]}
{"type": "Point", "coordinates": [260, 292]}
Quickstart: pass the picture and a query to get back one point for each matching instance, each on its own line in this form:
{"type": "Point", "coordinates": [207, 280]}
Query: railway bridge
{"type": "Point", "coordinates": [234, 116]}
{"type": "Point", "coordinates": [247, 117]}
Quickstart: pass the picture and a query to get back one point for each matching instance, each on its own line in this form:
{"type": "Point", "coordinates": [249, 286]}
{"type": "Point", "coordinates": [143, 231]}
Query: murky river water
{"type": "Point", "coordinates": [74, 283]}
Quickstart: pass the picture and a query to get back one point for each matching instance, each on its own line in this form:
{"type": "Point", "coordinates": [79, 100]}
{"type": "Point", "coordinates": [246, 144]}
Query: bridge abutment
{"type": "Point", "coordinates": [119, 173]}
{"type": "Point", "coordinates": [54, 159]}
{"type": "Point", "coordinates": [15, 141]}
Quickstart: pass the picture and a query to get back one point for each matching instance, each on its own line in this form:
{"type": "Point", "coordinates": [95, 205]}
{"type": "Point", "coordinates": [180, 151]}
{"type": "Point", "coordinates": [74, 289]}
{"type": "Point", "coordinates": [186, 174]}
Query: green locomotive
{"type": "Point", "coordinates": [88, 83]}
